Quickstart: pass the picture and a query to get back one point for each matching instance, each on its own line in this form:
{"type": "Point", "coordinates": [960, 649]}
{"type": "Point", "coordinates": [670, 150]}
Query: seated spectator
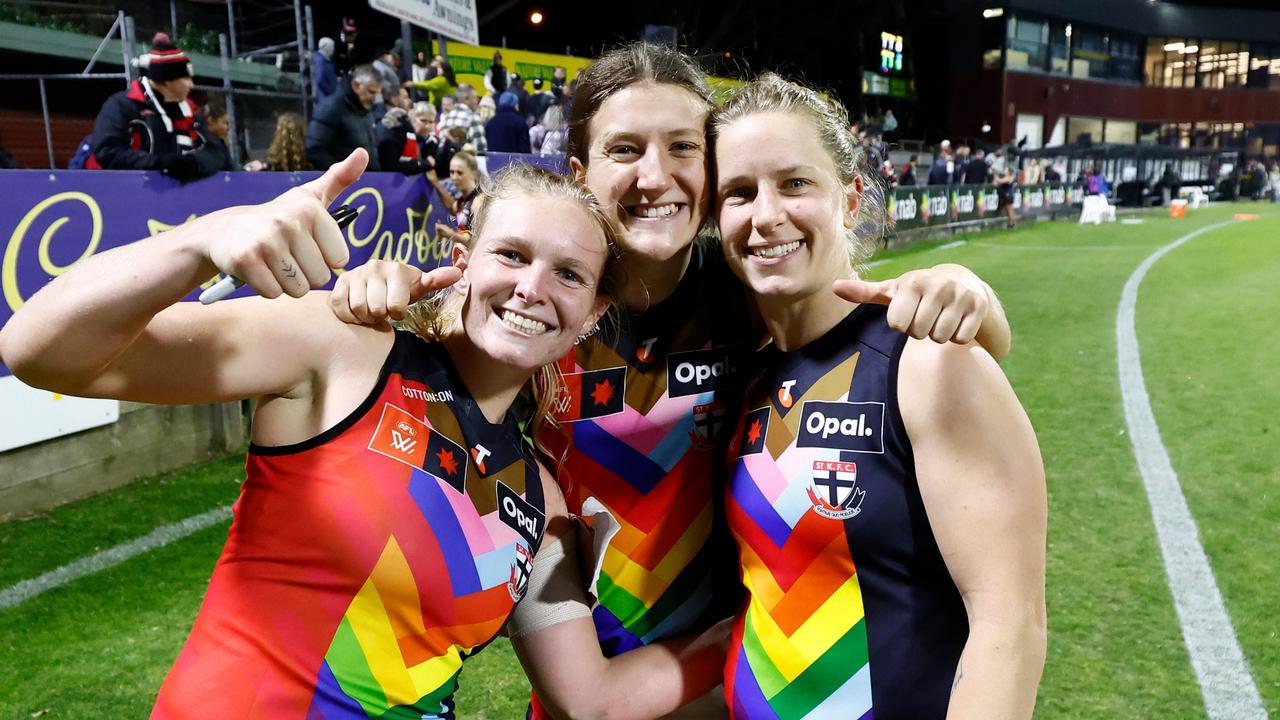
{"type": "Point", "coordinates": [153, 125]}
{"type": "Point", "coordinates": [464, 115]}
{"type": "Point", "coordinates": [548, 136]}
{"type": "Point", "coordinates": [506, 132]}
{"type": "Point", "coordinates": [1051, 173]}
{"type": "Point", "coordinates": [324, 76]}
{"type": "Point", "coordinates": [343, 123]}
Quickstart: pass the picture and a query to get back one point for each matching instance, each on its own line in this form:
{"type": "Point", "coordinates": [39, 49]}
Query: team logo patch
{"type": "Point", "coordinates": [591, 394]}
{"type": "Point", "coordinates": [850, 426]}
{"type": "Point", "coordinates": [520, 569]}
{"type": "Point", "coordinates": [835, 493]}
{"type": "Point", "coordinates": [446, 460]}
{"type": "Point", "coordinates": [699, 371]}
{"type": "Point", "coordinates": [755, 430]}
{"type": "Point", "coordinates": [707, 421]}
{"type": "Point", "coordinates": [519, 515]}
{"type": "Point", "coordinates": [400, 436]}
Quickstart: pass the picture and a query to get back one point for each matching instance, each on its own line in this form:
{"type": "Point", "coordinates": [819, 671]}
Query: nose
{"type": "Point", "coordinates": [767, 212]}
{"type": "Point", "coordinates": [529, 285]}
{"type": "Point", "coordinates": [654, 171]}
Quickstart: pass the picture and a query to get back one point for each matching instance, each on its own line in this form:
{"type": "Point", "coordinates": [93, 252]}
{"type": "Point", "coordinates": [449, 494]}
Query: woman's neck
{"type": "Point", "coordinates": [492, 385]}
{"type": "Point", "coordinates": [649, 282]}
{"type": "Point", "coordinates": [795, 323]}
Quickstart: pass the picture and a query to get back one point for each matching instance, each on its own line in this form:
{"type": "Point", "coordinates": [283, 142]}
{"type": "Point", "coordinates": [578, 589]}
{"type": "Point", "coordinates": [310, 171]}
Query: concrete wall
{"type": "Point", "coordinates": [147, 439]}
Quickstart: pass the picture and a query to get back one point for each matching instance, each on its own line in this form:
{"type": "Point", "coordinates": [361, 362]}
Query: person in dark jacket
{"type": "Point", "coordinates": [342, 122]}
{"type": "Point", "coordinates": [977, 172]}
{"type": "Point", "coordinates": [908, 176]}
{"type": "Point", "coordinates": [153, 125]}
{"type": "Point", "coordinates": [324, 75]}
{"type": "Point", "coordinates": [506, 132]}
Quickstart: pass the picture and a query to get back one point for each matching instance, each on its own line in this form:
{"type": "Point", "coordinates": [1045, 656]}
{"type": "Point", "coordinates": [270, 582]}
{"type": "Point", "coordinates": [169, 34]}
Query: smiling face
{"type": "Point", "coordinates": [531, 280]}
{"type": "Point", "coordinates": [647, 163]}
{"type": "Point", "coordinates": [783, 213]}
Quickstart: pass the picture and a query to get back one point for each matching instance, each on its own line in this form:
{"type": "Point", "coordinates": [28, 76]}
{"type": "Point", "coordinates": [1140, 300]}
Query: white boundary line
{"type": "Point", "coordinates": [161, 536]}
{"type": "Point", "coordinates": [1221, 668]}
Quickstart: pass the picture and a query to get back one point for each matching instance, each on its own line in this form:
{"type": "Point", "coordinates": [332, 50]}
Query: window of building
{"type": "Point", "coordinates": [1077, 126]}
{"type": "Point", "coordinates": [1060, 47]}
{"type": "Point", "coordinates": [1028, 44]}
{"type": "Point", "coordinates": [993, 34]}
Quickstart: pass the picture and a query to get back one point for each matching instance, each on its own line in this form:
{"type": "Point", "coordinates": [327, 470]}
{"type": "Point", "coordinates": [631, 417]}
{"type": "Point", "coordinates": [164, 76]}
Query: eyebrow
{"type": "Point", "coordinates": [689, 132]}
{"type": "Point", "coordinates": [570, 261]}
{"type": "Point", "coordinates": [784, 172]}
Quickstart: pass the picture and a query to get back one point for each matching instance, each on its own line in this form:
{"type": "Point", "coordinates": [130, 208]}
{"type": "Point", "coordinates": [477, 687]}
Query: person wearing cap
{"type": "Point", "coordinates": [506, 131]}
{"type": "Point", "coordinates": [154, 125]}
{"type": "Point", "coordinates": [324, 75]}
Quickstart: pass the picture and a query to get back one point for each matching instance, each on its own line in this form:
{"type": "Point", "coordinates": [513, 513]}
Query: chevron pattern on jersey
{"type": "Point", "coordinates": [800, 649]}
{"type": "Point", "coordinates": [650, 466]}
{"type": "Point", "coordinates": [405, 664]}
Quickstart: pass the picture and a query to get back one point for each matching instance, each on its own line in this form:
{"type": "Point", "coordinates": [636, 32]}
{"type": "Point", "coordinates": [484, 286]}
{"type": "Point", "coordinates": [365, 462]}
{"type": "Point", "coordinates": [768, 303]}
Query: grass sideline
{"type": "Point", "coordinates": [100, 646]}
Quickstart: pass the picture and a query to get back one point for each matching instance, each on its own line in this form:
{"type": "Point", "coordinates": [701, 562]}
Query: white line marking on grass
{"type": "Point", "coordinates": [1071, 248]}
{"type": "Point", "coordinates": [1225, 683]}
{"type": "Point", "coordinates": [161, 536]}
{"type": "Point", "coordinates": [950, 245]}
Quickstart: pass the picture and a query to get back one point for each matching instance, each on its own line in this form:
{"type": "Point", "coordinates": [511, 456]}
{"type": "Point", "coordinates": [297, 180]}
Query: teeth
{"type": "Point", "coordinates": [656, 211]}
{"type": "Point", "coordinates": [520, 322]}
{"type": "Point", "coordinates": [774, 251]}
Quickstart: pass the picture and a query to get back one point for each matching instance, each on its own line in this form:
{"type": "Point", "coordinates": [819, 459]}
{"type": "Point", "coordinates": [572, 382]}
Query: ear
{"type": "Point", "coordinates": [853, 201]}
{"type": "Point", "coordinates": [579, 170]}
{"type": "Point", "coordinates": [597, 311]}
{"type": "Point", "coordinates": [460, 261]}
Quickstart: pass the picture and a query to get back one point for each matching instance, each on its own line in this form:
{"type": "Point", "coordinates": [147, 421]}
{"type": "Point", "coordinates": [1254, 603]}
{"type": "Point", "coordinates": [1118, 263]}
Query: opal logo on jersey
{"type": "Point", "coordinates": [699, 371]}
{"type": "Point", "coordinates": [835, 493]}
{"type": "Point", "coordinates": [519, 515]}
{"type": "Point", "coordinates": [520, 569]}
{"type": "Point", "coordinates": [850, 426]}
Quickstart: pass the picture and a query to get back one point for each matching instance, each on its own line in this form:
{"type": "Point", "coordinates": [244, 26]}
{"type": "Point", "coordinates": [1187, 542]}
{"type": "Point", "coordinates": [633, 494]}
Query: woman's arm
{"type": "Point", "coordinates": [112, 326]}
{"type": "Point", "coordinates": [982, 482]}
{"type": "Point", "coordinates": [555, 639]}
{"type": "Point", "coordinates": [947, 303]}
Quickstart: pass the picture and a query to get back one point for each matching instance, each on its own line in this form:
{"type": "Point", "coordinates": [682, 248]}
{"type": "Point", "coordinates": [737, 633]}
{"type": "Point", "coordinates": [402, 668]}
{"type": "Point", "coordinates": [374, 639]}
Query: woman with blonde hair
{"type": "Point", "coordinates": [902, 476]}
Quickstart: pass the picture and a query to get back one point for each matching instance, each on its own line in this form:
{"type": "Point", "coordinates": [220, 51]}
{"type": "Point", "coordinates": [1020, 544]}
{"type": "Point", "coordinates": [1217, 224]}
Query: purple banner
{"type": "Point", "coordinates": [49, 220]}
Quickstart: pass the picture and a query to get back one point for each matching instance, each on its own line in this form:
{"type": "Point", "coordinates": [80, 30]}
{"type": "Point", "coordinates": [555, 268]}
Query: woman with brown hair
{"type": "Point", "coordinates": [286, 153]}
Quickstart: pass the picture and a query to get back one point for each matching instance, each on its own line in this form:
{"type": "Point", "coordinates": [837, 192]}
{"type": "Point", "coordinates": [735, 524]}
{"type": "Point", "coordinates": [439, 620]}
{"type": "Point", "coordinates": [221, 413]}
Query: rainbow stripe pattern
{"type": "Point", "coordinates": [393, 654]}
{"type": "Point", "coordinates": [650, 466]}
{"type": "Point", "coordinates": [800, 648]}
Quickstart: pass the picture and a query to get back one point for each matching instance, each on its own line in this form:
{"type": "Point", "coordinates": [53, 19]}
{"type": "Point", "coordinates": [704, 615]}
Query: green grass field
{"type": "Point", "coordinates": [100, 646]}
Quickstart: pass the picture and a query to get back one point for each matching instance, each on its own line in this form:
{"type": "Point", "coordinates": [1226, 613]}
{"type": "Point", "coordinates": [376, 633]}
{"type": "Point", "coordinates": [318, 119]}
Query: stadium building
{"type": "Point", "coordinates": [1048, 72]}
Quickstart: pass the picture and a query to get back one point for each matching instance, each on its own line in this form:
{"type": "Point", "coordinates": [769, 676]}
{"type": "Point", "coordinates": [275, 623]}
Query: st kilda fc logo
{"type": "Point", "coordinates": [835, 493]}
{"type": "Point", "coordinates": [520, 569]}
{"type": "Point", "coordinates": [708, 419]}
